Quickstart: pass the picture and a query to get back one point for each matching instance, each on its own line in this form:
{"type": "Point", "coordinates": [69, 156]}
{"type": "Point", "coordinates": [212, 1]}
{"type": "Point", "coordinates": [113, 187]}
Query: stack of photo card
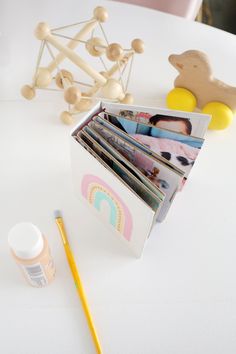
{"type": "Point", "coordinates": [129, 162]}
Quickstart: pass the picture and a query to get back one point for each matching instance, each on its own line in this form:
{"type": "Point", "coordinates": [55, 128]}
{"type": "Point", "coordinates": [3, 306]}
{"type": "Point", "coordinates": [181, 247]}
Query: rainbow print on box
{"type": "Point", "coordinates": [97, 193]}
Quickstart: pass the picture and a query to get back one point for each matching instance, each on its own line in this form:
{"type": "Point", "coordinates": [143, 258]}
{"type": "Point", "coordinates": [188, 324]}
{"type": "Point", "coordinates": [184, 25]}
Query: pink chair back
{"type": "Point", "coordinates": [184, 8]}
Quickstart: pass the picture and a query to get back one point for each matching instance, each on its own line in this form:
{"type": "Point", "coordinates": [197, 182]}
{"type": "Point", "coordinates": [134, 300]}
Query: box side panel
{"type": "Point", "coordinates": [128, 216]}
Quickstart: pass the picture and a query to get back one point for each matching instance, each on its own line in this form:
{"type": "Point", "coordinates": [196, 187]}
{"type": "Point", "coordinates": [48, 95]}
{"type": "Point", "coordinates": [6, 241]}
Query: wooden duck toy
{"type": "Point", "coordinates": [196, 87]}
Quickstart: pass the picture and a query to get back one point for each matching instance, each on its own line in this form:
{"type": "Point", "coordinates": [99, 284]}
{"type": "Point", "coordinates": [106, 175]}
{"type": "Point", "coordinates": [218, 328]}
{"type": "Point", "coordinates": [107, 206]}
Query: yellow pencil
{"type": "Point", "coordinates": [77, 280]}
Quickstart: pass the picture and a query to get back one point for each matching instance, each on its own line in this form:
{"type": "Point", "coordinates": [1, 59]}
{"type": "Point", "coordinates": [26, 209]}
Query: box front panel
{"type": "Point", "coordinates": [126, 214]}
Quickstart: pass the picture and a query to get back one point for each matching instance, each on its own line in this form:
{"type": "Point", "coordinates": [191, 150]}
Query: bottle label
{"type": "Point", "coordinates": [35, 274]}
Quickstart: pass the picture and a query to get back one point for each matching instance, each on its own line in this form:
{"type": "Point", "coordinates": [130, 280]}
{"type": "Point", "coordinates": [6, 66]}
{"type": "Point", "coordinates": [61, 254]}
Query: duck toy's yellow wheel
{"type": "Point", "coordinates": [221, 115]}
{"type": "Point", "coordinates": [181, 99]}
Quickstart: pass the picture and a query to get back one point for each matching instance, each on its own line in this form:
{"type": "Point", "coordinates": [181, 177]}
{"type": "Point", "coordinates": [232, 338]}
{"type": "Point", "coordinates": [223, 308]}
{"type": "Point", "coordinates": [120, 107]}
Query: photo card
{"type": "Point", "coordinates": [181, 149]}
{"type": "Point", "coordinates": [132, 181]}
{"type": "Point", "coordinates": [166, 179]}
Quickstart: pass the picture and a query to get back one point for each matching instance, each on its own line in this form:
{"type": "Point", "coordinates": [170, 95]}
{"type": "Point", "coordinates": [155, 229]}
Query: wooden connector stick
{"type": "Point", "coordinates": [73, 43]}
{"type": "Point", "coordinates": [121, 64]}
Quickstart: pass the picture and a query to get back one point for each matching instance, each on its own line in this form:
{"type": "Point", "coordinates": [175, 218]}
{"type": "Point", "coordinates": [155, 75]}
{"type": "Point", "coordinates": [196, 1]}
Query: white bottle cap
{"type": "Point", "coordinates": [26, 240]}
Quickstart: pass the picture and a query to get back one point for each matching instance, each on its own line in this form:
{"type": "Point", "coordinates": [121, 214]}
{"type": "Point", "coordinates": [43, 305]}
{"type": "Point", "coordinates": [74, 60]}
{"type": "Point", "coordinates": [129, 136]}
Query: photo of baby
{"type": "Point", "coordinates": [179, 154]}
{"type": "Point", "coordinates": [176, 124]}
{"type": "Point", "coordinates": [179, 148]}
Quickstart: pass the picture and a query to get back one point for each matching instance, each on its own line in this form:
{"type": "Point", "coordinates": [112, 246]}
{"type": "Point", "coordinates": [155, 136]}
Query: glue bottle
{"type": "Point", "coordinates": [31, 252]}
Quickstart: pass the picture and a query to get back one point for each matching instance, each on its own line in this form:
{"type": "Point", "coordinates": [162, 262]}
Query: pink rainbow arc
{"type": "Point", "coordinates": [88, 180]}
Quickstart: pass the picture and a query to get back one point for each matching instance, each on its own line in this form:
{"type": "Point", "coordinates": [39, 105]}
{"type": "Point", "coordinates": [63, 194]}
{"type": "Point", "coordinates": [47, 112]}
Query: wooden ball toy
{"type": "Point", "coordinates": [96, 46]}
{"type": "Point", "coordinates": [100, 14]}
{"type": "Point", "coordinates": [66, 75]}
{"type": "Point", "coordinates": [137, 45]}
{"type": "Point", "coordinates": [196, 83]}
{"type": "Point", "coordinates": [83, 105]}
{"type": "Point", "coordinates": [43, 78]}
{"type": "Point", "coordinates": [66, 117]}
{"type": "Point", "coordinates": [181, 99]}
{"type": "Point", "coordinates": [72, 94]}
{"type": "Point", "coordinates": [114, 52]}
{"type": "Point", "coordinates": [221, 115]}
{"type": "Point", "coordinates": [108, 81]}
{"type": "Point", "coordinates": [128, 99]}
{"type": "Point", "coordinates": [28, 92]}
{"type": "Point", "coordinates": [42, 31]}
{"type": "Point", "coordinates": [112, 89]}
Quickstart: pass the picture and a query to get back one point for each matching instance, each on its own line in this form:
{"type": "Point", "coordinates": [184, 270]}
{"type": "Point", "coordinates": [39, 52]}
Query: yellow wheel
{"type": "Point", "coordinates": [181, 99]}
{"type": "Point", "coordinates": [221, 114]}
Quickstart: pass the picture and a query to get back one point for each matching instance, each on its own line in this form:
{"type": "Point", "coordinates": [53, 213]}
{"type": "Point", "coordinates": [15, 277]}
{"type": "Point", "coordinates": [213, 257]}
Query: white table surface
{"type": "Point", "coordinates": [180, 297]}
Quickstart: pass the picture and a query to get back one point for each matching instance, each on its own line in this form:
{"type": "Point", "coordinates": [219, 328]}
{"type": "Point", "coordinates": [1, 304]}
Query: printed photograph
{"type": "Point", "coordinates": [125, 162]}
{"type": "Point", "coordinates": [125, 175]}
{"type": "Point", "coordinates": [158, 173]}
{"type": "Point", "coordinates": [180, 149]}
{"type": "Point", "coordinates": [176, 124]}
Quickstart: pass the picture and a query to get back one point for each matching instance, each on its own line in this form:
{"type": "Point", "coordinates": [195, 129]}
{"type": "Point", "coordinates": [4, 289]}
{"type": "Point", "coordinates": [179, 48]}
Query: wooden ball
{"type": "Point", "coordinates": [83, 105]}
{"type": "Point", "coordinates": [128, 99]}
{"type": "Point", "coordinates": [100, 14]}
{"type": "Point", "coordinates": [43, 78]}
{"type": "Point", "coordinates": [93, 46]}
{"type": "Point", "coordinates": [72, 94]}
{"type": "Point", "coordinates": [66, 118]}
{"type": "Point", "coordinates": [42, 30]}
{"type": "Point", "coordinates": [114, 52]}
{"type": "Point", "coordinates": [65, 74]}
{"type": "Point", "coordinates": [137, 45]}
{"type": "Point", "coordinates": [28, 92]}
{"type": "Point", "coordinates": [112, 89]}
